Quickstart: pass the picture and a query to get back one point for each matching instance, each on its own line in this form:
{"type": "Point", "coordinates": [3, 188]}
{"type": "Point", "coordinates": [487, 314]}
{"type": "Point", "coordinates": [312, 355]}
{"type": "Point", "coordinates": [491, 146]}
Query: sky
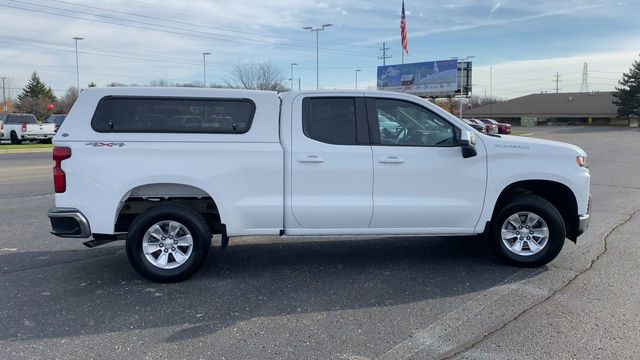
{"type": "Point", "coordinates": [523, 44]}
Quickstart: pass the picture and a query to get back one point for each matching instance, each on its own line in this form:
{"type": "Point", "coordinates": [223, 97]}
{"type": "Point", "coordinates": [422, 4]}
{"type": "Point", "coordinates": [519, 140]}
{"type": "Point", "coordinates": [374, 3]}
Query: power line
{"type": "Point", "coordinates": [168, 28]}
{"type": "Point", "coordinates": [233, 32]}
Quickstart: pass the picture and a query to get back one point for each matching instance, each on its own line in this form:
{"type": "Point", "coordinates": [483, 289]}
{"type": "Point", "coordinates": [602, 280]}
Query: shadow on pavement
{"type": "Point", "coordinates": [102, 294]}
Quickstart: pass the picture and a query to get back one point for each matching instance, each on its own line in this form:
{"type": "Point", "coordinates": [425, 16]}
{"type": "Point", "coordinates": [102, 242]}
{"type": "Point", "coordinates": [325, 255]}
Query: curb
{"type": "Point", "coordinates": [23, 151]}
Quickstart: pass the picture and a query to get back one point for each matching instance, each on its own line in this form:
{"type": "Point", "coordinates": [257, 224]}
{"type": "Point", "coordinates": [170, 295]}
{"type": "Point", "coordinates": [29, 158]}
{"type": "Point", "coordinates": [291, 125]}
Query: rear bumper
{"type": "Point", "coordinates": [69, 223]}
{"type": "Point", "coordinates": [37, 136]}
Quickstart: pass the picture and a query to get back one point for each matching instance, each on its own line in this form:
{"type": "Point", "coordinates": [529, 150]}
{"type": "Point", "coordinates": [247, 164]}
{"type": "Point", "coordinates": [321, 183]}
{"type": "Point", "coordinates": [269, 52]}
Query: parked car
{"type": "Point", "coordinates": [490, 128]}
{"type": "Point", "coordinates": [301, 164]}
{"type": "Point", "coordinates": [2, 119]}
{"type": "Point", "coordinates": [476, 125]}
{"type": "Point", "coordinates": [25, 127]}
{"type": "Point", "coordinates": [503, 128]}
{"type": "Point", "coordinates": [56, 119]}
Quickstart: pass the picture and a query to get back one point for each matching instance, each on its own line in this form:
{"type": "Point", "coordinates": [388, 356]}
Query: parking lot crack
{"type": "Point", "coordinates": [466, 347]}
{"type": "Point", "coordinates": [55, 264]}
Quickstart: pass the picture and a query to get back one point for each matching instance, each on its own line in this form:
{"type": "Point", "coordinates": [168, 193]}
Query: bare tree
{"type": "Point", "coordinates": [262, 76]}
{"type": "Point", "coordinates": [66, 102]}
{"type": "Point", "coordinates": [159, 83]}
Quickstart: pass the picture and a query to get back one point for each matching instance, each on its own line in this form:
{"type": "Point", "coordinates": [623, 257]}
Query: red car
{"type": "Point", "coordinates": [503, 128]}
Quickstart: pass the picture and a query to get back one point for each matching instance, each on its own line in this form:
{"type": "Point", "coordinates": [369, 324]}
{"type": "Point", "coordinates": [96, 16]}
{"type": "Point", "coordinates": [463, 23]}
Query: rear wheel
{"type": "Point", "coordinates": [14, 139]}
{"type": "Point", "coordinates": [528, 232]}
{"type": "Point", "coordinates": [168, 243]}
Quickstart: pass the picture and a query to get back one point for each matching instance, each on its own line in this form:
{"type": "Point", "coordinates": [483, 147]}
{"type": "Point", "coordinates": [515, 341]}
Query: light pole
{"type": "Point", "coordinates": [76, 38]}
{"type": "Point", "coordinates": [357, 71]}
{"type": "Point", "coordinates": [460, 61]}
{"type": "Point", "coordinates": [317, 31]}
{"type": "Point", "coordinates": [292, 65]}
{"type": "Point", "coordinates": [204, 68]}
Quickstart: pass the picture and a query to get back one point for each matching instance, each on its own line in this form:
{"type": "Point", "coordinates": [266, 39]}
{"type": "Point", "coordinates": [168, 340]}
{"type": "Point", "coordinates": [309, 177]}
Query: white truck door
{"type": "Point", "coordinates": [421, 180]}
{"type": "Point", "coordinates": [331, 164]}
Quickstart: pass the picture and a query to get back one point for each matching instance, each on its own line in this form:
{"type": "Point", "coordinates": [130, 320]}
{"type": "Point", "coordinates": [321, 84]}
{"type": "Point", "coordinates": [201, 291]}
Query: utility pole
{"type": "Point", "coordinates": [4, 97]}
{"type": "Point", "coordinates": [557, 81]}
{"type": "Point", "coordinates": [317, 31]}
{"type": "Point", "coordinates": [76, 38]}
{"type": "Point", "coordinates": [357, 71]}
{"type": "Point", "coordinates": [384, 56]}
{"type": "Point", "coordinates": [204, 68]}
{"type": "Point", "coordinates": [298, 84]}
{"type": "Point", "coordinates": [292, 65]}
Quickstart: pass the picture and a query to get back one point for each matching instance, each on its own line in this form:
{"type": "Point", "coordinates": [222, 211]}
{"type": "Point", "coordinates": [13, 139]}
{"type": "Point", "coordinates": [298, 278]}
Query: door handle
{"type": "Point", "coordinates": [391, 160]}
{"type": "Point", "coordinates": [311, 159]}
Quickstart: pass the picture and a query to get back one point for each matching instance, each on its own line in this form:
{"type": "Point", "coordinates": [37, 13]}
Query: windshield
{"type": "Point", "coordinates": [55, 119]}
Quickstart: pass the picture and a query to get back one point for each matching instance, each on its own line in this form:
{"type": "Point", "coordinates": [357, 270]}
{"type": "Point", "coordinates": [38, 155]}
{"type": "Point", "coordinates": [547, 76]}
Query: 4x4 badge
{"type": "Point", "coordinates": [101, 144]}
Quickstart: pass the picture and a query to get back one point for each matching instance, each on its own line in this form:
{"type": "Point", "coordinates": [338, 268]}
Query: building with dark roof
{"type": "Point", "coordinates": [580, 108]}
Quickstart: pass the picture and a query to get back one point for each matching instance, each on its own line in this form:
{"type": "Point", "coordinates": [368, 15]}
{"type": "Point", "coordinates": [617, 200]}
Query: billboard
{"type": "Point", "coordinates": [431, 78]}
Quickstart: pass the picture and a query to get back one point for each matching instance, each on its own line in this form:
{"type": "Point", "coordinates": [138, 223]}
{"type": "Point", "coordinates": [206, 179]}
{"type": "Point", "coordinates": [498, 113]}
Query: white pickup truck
{"type": "Point", "coordinates": [24, 127]}
{"type": "Point", "coordinates": [167, 168]}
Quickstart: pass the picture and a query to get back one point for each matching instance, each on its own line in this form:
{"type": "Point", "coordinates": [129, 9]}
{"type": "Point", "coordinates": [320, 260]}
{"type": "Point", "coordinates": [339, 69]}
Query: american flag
{"type": "Point", "coordinates": [403, 30]}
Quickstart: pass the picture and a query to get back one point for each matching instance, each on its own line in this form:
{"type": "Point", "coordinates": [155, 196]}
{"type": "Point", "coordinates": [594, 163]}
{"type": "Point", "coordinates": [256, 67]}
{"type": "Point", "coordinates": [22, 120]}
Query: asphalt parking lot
{"type": "Point", "coordinates": [403, 298]}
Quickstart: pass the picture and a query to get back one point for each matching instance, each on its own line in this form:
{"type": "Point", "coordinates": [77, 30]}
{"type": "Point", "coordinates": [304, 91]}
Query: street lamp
{"type": "Point", "coordinates": [292, 65]}
{"type": "Point", "coordinates": [317, 31]}
{"type": "Point", "coordinates": [76, 38]}
{"type": "Point", "coordinates": [204, 67]}
{"type": "Point", "coordinates": [357, 71]}
{"type": "Point", "coordinates": [292, 79]}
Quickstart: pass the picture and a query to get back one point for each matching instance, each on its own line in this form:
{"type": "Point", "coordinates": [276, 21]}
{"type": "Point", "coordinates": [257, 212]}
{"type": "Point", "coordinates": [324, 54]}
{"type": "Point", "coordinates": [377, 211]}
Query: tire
{"type": "Point", "coordinates": [527, 207]}
{"type": "Point", "coordinates": [143, 235]}
{"type": "Point", "coordinates": [14, 139]}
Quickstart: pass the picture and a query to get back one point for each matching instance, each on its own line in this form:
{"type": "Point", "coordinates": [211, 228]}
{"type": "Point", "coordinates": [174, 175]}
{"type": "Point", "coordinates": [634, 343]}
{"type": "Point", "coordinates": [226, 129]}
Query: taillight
{"type": "Point", "coordinates": [59, 177]}
{"type": "Point", "coordinates": [24, 127]}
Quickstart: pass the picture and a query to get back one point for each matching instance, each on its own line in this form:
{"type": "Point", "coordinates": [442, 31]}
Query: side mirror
{"type": "Point", "coordinates": [467, 143]}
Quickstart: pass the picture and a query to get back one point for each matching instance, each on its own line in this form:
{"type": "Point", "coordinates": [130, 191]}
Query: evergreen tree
{"type": "Point", "coordinates": [628, 93]}
{"type": "Point", "coordinates": [36, 89]}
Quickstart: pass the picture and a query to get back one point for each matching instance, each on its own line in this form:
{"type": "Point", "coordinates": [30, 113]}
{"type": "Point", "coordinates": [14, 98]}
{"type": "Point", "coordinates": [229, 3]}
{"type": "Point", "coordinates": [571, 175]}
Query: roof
{"type": "Point", "coordinates": [565, 105]}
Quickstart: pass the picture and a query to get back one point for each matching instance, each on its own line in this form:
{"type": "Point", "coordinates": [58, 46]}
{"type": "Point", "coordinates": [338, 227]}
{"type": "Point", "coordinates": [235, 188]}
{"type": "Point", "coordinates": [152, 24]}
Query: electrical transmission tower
{"type": "Point", "coordinates": [557, 81]}
{"type": "Point", "coordinates": [384, 56]}
{"type": "Point", "coordinates": [584, 87]}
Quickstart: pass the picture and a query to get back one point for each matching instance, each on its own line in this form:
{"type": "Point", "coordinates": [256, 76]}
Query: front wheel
{"type": "Point", "coordinates": [168, 243]}
{"type": "Point", "coordinates": [527, 232]}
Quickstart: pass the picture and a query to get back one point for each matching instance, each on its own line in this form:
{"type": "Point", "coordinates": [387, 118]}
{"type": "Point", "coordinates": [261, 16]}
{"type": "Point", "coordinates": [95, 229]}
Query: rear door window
{"type": "Point", "coordinates": [335, 120]}
{"type": "Point", "coordinates": [173, 115]}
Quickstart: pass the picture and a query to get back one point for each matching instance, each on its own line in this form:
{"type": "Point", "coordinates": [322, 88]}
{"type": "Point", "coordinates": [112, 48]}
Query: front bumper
{"type": "Point", "coordinates": [583, 220]}
{"type": "Point", "coordinates": [583, 223]}
{"type": "Point", "coordinates": [69, 223]}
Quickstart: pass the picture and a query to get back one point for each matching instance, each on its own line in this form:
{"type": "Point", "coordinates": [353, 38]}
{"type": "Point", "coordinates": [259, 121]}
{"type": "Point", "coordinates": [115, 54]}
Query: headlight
{"type": "Point", "coordinates": [581, 161]}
